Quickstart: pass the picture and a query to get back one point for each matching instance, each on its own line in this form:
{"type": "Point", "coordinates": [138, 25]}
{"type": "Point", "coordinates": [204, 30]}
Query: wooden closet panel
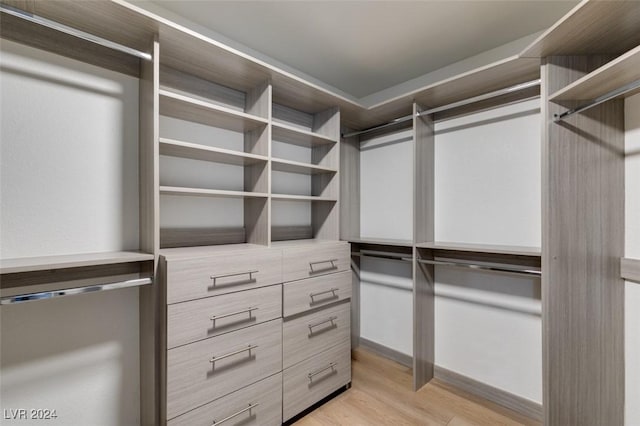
{"type": "Point", "coordinates": [583, 240]}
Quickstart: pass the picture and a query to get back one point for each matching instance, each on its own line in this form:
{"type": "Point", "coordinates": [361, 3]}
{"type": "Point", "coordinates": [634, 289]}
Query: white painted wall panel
{"type": "Point", "coordinates": [632, 249]}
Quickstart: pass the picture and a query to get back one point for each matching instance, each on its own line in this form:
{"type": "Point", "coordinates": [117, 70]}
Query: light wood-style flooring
{"type": "Point", "coordinates": [381, 395]}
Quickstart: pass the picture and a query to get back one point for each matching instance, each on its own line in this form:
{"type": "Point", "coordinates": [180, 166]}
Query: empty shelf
{"type": "Point", "coordinates": [630, 269]}
{"type": "Point", "coordinates": [618, 73]}
{"type": "Point", "coordinates": [198, 192]}
{"type": "Point", "coordinates": [193, 109]}
{"type": "Point", "coordinates": [297, 167]}
{"type": "Point", "coordinates": [194, 151]}
{"type": "Point", "coordinates": [482, 248]}
{"type": "Point", "coordinates": [297, 136]}
{"type": "Point", "coordinates": [287, 197]}
{"type": "Point", "coordinates": [382, 242]}
{"type": "Point", "coordinates": [44, 263]}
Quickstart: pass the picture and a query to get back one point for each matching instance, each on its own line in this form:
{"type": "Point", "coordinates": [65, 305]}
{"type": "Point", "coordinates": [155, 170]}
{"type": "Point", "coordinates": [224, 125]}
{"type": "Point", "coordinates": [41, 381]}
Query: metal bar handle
{"type": "Point", "coordinates": [235, 274]}
{"type": "Point", "coordinates": [320, 293]}
{"type": "Point", "coordinates": [331, 319]}
{"type": "Point", "coordinates": [315, 373]}
{"type": "Point", "coordinates": [249, 348]}
{"type": "Point", "coordinates": [244, 311]}
{"type": "Point", "coordinates": [244, 410]}
{"type": "Point", "coordinates": [332, 261]}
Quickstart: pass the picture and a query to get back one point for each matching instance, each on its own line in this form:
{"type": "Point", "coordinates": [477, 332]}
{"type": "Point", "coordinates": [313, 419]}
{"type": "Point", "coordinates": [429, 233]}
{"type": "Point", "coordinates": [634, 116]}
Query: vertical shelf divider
{"type": "Point", "coordinates": [423, 230]}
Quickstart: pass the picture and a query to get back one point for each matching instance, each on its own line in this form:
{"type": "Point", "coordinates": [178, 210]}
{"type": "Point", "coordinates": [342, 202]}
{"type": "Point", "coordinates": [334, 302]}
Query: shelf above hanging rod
{"type": "Point", "coordinates": [405, 257]}
{"type": "Point", "coordinates": [483, 97]}
{"type": "Point", "coordinates": [32, 297]}
{"type": "Point", "coordinates": [599, 100]}
{"type": "Point", "coordinates": [19, 13]}
{"type": "Point", "coordinates": [491, 268]}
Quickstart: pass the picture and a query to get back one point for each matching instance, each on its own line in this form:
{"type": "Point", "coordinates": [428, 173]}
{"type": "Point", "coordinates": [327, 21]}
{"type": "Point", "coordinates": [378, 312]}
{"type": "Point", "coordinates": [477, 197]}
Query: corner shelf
{"type": "Point", "coordinates": [630, 269]}
{"type": "Point", "coordinates": [189, 108]}
{"type": "Point", "coordinates": [615, 74]}
{"type": "Point", "coordinates": [483, 248]}
{"type": "Point", "coordinates": [298, 136]}
{"type": "Point", "coordinates": [289, 166]}
{"type": "Point", "coordinates": [50, 263]}
{"type": "Point", "coordinates": [175, 148]}
{"type": "Point", "coordinates": [198, 192]}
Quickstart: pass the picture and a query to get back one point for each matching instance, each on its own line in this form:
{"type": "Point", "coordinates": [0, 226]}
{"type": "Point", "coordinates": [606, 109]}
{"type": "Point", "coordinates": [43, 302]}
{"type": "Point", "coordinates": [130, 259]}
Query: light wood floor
{"type": "Point", "coordinates": [381, 395]}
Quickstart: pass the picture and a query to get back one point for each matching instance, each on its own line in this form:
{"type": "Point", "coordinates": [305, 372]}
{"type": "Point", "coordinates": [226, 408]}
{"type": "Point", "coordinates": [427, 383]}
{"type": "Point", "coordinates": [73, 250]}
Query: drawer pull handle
{"type": "Point", "coordinates": [250, 273]}
{"type": "Point", "coordinates": [244, 311]}
{"type": "Point", "coordinates": [331, 366]}
{"type": "Point", "coordinates": [331, 261]}
{"type": "Point", "coordinates": [320, 293]}
{"type": "Point", "coordinates": [239, 351]}
{"type": "Point", "coordinates": [244, 410]}
{"type": "Point", "coordinates": [331, 319]}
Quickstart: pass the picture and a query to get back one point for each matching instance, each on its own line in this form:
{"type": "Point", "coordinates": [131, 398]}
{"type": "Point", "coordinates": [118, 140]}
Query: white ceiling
{"type": "Point", "coordinates": [362, 47]}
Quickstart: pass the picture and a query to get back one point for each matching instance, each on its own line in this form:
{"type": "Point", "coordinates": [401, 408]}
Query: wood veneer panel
{"type": "Point", "coordinates": [630, 269]}
{"type": "Point", "coordinates": [423, 319]}
{"type": "Point", "coordinates": [349, 188]}
{"type": "Point", "coordinates": [582, 242]}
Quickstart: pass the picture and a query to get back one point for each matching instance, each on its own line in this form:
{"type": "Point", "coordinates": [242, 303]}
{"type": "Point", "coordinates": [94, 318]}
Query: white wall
{"type": "Point", "coordinates": [68, 184]}
{"type": "Point", "coordinates": [487, 190]}
{"type": "Point", "coordinates": [632, 249]}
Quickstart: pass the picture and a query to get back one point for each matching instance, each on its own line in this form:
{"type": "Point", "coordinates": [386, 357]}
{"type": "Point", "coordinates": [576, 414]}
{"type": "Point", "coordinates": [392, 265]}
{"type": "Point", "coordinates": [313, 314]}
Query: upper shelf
{"type": "Point", "coordinates": [44, 263]}
{"type": "Point", "coordinates": [287, 197]}
{"type": "Point", "coordinates": [296, 136]}
{"type": "Point", "coordinates": [194, 151]}
{"type": "Point", "coordinates": [590, 28]}
{"type": "Point", "coordinates": [281, 165]}
{"type": "Point", "coordinates": [193, 109]}
{"type": "Point", "coordinates": [382, 242]}
{"type": "Point", "coordinates": [483, 248]}
{"type": "Point", "coordinates": [200, 192]}
{"type": "Point", "coordinates": [615, 74]}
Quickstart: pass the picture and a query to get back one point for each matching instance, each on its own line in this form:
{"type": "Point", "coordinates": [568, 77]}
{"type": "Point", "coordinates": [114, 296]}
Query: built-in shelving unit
{"type": "Point", "coordinates": [630, 269]}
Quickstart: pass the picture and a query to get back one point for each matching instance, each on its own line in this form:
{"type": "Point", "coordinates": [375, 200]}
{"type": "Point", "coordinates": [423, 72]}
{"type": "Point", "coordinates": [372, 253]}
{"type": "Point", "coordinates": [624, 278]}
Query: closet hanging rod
{"type": "Point", "coordinates": [383, 255]}
{"type": "Point", "coordinates": [19, 13]}
{"type": "Point", "coordinates": [514, 270]}
{"type": "Point", "coordinates": [597, 101]}
{"type": "Point", "coordinates": [32, 297]}
{"type": "Point", "coordinates": [485, 96]}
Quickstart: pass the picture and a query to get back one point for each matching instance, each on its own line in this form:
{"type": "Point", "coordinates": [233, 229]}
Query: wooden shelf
{"type": "Point", "coordinates": [630, 269]}
{"type": "Point", "coordinates": [194, 151]}
{"type": "Point", "coordinates": [192, 109]}
{"type": "Point", "coordinates": [615, 74]}
{"type": "Point", "coordinates": [281, 165]}
{"type": "Point", "coordinates": [590, 28]}
{"type": "Point", "coordinates": [198, 192]}
{"type": "Point", "coordinates": [483, 248]}
{"type": "Point", "coordinates": [297, 136]}
{"type": "Point", "coordinates": [286, 197]}
{"type": "Point", "coordinates": [44, 263]}
{"type": "Point", "coordinates": [382, 242]}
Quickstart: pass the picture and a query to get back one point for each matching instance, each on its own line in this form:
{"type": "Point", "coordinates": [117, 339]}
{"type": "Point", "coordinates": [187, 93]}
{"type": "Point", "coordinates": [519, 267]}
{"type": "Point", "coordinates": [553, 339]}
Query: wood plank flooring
{"type": "Point", "coordinates": [381, 395]}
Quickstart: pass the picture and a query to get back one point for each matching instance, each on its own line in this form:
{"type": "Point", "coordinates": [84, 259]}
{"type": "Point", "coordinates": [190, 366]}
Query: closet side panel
{"type": "Point", "coordinates": [69, 184]}
{"type": "Point", "coordinates": [632, 250]}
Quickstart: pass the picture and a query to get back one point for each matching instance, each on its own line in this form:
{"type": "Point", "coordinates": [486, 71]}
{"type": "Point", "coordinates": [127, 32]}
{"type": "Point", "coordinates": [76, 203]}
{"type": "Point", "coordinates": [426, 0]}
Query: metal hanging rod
{"type": "Point", "coordinates": [492, 268]}
{"type": "Point", "coordinates": [73, 31]}
{"type": "Point", "coordinates": [31, 297]}
{"type": "Point", "coordinates": [597, 101]}
{"type": "Point", "coordinates": [485, 96]}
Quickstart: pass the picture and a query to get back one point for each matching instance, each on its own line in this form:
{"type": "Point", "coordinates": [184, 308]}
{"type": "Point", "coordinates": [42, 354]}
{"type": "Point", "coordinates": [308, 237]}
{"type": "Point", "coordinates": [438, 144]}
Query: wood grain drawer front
{"type": "Point", "coordinates": [241, 270]}
{"type": "Point", "coordinates": [203, 371]}
{"type": "Point", "coordinates": [302, 296]}
{"type": "Point", "coordinates": [203, 318]}
{"type": "Point", "coordinates": [317, 259]}
{"type": "Point", "coordinates": [259, 404]}
{"type": "Point", "coordinates": [308, 382]}
{"type": "Point", "coordinates": [311, 334]}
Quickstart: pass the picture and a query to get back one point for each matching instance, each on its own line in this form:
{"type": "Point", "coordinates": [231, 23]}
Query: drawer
{"type": "Point", "coordinates": [301, 262]}
{"type": "Point", "coordinates": [308, 335]}
{"type": "Point", "coordinates": [206, 370]}
{"type": "Point", "coordinates": [259, 404]}
{"type": "Point", "coordinates": [199, 319]}
{"type": "Point", "coordinates": [189, 279]}
{"type": "Point", "coordinates": [301, 296]}
{"type": "Point", "coordinates": [308, 382]}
